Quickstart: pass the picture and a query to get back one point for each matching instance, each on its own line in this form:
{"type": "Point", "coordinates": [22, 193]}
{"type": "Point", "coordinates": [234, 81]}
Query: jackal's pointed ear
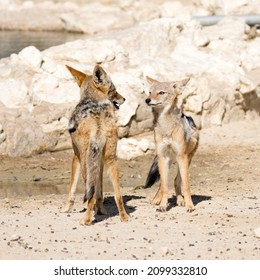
{"type": "Point", "coordinates": [100, 76]}
{"type": "Point", "coordinates": [185, 81]}
{"type": "Point", "coordinates": [181, 84]}
{"type": "Point", "coordinates": [78, 76]}
{"type": "Point", "coordinates": [151, 80]}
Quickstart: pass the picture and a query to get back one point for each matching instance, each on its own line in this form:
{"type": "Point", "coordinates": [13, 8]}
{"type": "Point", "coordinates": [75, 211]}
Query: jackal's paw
{"type": "Point", "coordinates": [84, 222]}
{"type": "Point", "coordinates": [124, 217]}
{"type": "Point", "coordinates": [162, 208]}
{"type": "Point", "coordinates": [180, 201]}
{"type": "Point", "coordinates": [157, 200]}
{"type": "Point", "coordinates": [67, 208]}
{"type": "Point", "coordinates": [190, 208]}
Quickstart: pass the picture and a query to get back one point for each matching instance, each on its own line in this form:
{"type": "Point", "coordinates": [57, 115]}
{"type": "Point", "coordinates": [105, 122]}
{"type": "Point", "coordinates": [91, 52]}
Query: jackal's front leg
{"type": "Point", "coordinates": [183, 163]}
{"type": "Point", "coordinates": [163, 164]}
{"type": "Point", "coordinates": [177, 185]}
{"type": "Point", "coordinates": [114, 176]}
{"type": "Point", "coordinates": [158, 197]}
{"type": "Point", "coordinates": [75, 171]}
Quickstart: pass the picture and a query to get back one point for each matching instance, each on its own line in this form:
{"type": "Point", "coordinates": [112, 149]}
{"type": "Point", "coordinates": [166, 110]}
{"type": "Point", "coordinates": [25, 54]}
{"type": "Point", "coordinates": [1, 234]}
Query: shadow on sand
{"type": "Point", "coordinates": [110, 205]}
{"type": "Point", "coordinates": [195, 198]}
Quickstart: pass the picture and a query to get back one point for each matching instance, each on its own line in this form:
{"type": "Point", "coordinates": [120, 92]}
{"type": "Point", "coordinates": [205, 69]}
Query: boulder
{"type": "Point", "coordinates": [14, 93]}
{"type": "Point", "coordinates": [31, 56]}
{"type": "Point", "coordinates": [38, 93]}
{"type": "Point", "coordinates": [96, 17]}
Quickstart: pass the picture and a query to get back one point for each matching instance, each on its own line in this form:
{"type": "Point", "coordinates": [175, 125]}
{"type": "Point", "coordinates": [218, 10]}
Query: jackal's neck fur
{"type": "Point", "coordinates": [169, 111]}
{"type": "Point", "coordinates": [97, 94]}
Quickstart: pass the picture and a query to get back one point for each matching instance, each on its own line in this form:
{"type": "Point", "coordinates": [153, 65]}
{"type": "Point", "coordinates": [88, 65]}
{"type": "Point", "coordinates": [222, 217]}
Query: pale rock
{"type": "Point", "coordinates": [48, 113]}
{"type": "Point", "coordinates": [200, 39]}
{"type": "Point", "coordinates": [250, 55]}
{"type": "Point", "coordinates": [57, 125]}
{"type": "Point", "coordinates": [229, 27]}
{"type": "Point", "coordinates": [31, 56]}
{"type": "Point", "coordinates": [230, 7]}
{"type": "Point", "coordinates": [28, 4]}
{"type": "Point", "coordinates": [5, 70]}
{"type": "Point", "coordinates": [14, 93]}
{"type": "Point", "coordinates": [196, 93]}
{"type": "Point", "coordinates": [174, 9]}
{"type": "Point", "coordinates": [43, 85]}
{"type": "Point", "coordinates": [49, 65]}
{"type": "Point", "coordinates": [128, 109]}
{"type": "Point", "coordinates": [194, 104]}
{"type": "Point", "coordinates": [57, 69]}
{"type": "Point", "coordinates": [216, 113]}
{"type": "Point", "coordinates": [224, 82]}
{"type": "Point", "coordinates": [146, 145]}
{"type": "Point", "coordinates": [257, 232]}
{"type": "Point", "coordinates": [146, 12]}
{"type": "Point", "coordinates": [126, 4]}
{"type": "Point", "coordinates": [7, 3]}
{"type": "Point", "coordinates": [23, 135]}
{"type": "Point", "coordinates": [209, 5]}
{"type": "Point", "coordinates": [47, 88]}
{"type": "Point", "coordinates": [185, 54]}
{"type": "Point", "coordinates": [246, 86]}
{"type": "Point", "coordinates": [95, 17]}
{"type": "Point", "coordinates": [128, 148]}
{"type": "Point", "coordinates": [128, 86]}
{"type": "Point", "coordinates": [222, 7]}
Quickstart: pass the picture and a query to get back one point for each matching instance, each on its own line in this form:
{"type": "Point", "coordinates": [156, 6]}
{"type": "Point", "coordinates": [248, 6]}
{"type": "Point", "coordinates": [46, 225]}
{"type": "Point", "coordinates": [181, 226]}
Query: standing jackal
{"type": "Point", "coordinates": [93, 132]}
{"type": "Point", "coordinates": [175, 135]}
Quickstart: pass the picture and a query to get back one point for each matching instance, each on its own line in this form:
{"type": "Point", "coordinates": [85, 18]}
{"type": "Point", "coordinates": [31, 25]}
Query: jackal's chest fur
{"type": "Point", "coordinates": [168, 134]}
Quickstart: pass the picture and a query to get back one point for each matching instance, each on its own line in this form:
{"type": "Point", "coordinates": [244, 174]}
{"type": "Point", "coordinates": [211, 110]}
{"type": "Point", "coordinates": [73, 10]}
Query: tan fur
{"type": "Point", "coordinates": [174, 138]}
{"type": "Point", "coordinates": [94, 142]}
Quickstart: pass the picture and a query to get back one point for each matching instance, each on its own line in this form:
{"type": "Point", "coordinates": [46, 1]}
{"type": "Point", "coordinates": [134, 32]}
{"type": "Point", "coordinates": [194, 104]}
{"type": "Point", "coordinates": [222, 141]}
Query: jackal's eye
{"type": "Point", "coordinates": [150, 92]}
{"type": "Point", "coordinates": [161, 93]}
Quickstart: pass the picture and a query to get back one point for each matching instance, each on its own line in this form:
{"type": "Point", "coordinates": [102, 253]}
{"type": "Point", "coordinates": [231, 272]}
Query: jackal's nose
{"type": "Point", "coordinates": [147, 100]}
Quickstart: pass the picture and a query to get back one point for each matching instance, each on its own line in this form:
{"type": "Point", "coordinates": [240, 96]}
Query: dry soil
{"type": "Point", "coordinates": [225, 183]}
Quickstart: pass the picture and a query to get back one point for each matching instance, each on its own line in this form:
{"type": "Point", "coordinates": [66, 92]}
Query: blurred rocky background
{"type": "Point", "coordinates": [131, 39]}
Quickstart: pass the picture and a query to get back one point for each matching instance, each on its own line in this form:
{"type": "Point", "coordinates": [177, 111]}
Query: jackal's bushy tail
{"type": "Point", "coordinates": [93, 165]}
{"type": "Point", "coordinates": [153, 175]}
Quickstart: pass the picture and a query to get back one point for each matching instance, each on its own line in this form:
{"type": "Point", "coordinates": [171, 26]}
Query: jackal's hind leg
{"type": "Point", "coordinates": [114, 176]}
{"type": "Point", "coordinates": [87, 220]}
{"type": "Point", "coordinates": [75, 171]}
{"type": "Point", "coordinates": [100, 209]}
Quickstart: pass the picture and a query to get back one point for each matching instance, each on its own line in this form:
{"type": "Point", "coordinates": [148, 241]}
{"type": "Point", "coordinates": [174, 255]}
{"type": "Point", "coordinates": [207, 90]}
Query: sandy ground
{"type": "Point", "coordinates": [225, 182]}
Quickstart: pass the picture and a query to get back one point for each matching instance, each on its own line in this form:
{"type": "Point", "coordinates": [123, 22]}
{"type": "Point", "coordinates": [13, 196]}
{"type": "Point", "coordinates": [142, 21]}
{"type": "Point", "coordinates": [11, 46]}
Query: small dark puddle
{"type": "Point", "coordinates": [16, 189]}
{"type": "Point", "coordinates": [15, 41]}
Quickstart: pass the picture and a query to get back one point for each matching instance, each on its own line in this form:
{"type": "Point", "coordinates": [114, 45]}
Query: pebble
{"type": "Point", "coordinates": [15, 238]}
{"type": "Point", "coordinates": [164, 251]}
{"type": "Point", "coordinates": [36, 178]}
{"type": "Point", "coordinates": [6, 200]}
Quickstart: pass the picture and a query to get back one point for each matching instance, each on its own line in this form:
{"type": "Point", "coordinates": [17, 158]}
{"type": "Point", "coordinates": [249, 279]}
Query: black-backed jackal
{"type": "Point", "coordinates": [93, 132]}
{"type": "Point", "coordinates": [176, 136]}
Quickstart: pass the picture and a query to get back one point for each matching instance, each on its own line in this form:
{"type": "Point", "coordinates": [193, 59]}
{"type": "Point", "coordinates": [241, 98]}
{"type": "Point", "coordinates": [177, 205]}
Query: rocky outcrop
{"type": "Point", "coordinates": [38, 93]}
